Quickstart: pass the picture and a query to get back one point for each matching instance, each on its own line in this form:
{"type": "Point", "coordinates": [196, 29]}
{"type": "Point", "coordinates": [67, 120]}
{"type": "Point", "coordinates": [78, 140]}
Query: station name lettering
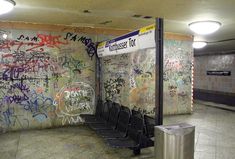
{"type": "Point", "coordinates": [123, 45]}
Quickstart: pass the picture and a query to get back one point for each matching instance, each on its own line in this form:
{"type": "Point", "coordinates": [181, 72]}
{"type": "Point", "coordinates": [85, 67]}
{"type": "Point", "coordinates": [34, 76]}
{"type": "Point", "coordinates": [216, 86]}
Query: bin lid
{"type": "Point", "coordinates": [176, 129]}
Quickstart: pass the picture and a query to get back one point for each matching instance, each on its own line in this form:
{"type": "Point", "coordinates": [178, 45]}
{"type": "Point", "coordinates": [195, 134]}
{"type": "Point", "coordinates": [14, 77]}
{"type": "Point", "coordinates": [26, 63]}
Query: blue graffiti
{"type": "Point", "coordinates": [7, 115]}
{"type": "Point", "coordinates": [12, 73]}
{"type": "Point", "coordinates": [137, 71]}
{"type": "Point", "coordinates": [22, 87]}
{"type": "Point", "coordinates": [38, 104]}
{"type": "Point", "coordinates": [16, 98]}
{"type": "Point", "coordinates": [40, 117]}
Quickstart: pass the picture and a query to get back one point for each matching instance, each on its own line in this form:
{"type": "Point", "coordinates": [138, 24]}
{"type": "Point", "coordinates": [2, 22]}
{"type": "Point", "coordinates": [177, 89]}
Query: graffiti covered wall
{"type": "Point", "coordinates": [129, 79]}
{"type": "Point", "coordinates": [46, 78]}
{"type": "Point", "coordinates": [177, 77]}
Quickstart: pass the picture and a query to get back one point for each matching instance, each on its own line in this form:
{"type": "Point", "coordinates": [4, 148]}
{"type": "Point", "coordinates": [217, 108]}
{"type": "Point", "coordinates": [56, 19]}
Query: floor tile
{"type": "Point", "coordinates": [214, 139]}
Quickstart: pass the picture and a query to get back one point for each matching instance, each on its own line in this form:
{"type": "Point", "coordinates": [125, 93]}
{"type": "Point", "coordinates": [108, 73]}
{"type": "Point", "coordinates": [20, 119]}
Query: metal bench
{"type": "Point", "coordinates": [133, 138]}
{"type": "Point", "coordinates": [112, 119]}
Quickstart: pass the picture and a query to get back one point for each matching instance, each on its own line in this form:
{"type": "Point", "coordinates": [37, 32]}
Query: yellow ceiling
{"type": "Point", "coordinates": [119, 13]}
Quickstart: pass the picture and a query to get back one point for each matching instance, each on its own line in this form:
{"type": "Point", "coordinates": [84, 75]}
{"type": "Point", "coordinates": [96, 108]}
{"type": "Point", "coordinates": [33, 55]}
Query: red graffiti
{"type": "Point", "coordinates": [51, 41]}
{"type": "Point", "coordinates": [44, 40]}
{"type": "Point", "coordinates": [8, 44]}
{"type": "Point", "coordinates": [7, 55]}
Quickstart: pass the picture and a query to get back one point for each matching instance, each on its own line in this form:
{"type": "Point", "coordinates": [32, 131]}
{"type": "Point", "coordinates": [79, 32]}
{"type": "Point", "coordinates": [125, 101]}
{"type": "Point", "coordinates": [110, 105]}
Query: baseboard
{"type": "Point", "coordinates": [214, 96]}
{"type": "Point", "coordinates": [215, 105]}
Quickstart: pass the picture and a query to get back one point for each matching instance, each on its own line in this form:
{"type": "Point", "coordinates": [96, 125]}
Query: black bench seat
{"type": "Point", "coordinates": [133, 138]}
{"type": "Point", "coordinates": [111, 121]}
{"type": "Point", "coordinates": [121, 129]}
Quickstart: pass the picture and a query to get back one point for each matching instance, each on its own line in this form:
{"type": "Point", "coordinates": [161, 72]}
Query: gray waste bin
{"type": "Point", "coordinates": [174, 141]}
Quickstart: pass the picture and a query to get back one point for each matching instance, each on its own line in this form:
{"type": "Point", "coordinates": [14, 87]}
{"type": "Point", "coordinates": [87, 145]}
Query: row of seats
{"type": "Point", "coordinates": [121, 127]}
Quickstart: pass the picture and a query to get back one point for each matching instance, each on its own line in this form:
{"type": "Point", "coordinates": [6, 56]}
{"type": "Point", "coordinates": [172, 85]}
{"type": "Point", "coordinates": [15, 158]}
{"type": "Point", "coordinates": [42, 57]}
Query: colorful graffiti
{"type": "Point", "coordinates": [137, 71]}
{"type": "Point", "coordinates": [34, 67]}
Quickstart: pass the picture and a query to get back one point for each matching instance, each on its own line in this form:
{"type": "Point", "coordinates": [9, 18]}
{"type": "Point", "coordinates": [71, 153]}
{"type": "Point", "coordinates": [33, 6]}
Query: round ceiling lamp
{"type": "Point", "coordinates": [204, 27]}
{"type": "Point", "coordinates": [199, 44]}
{"type": "Point", "coordinates": [4, 36]}
{"type": "Point", "coordinates": [6, 6]}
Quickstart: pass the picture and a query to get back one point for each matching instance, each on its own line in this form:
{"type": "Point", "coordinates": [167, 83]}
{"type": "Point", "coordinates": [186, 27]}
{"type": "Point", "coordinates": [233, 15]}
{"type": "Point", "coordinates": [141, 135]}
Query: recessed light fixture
{"type": "Point", "coordinates": [199, 44]}
{"type": "Point", "coordinates": [204, 27]}
{"type": "Point", "coordinates": [147, 17]}
{"type": "Point", "coordinates": [106, 22]}
{"type": "Point", "coordinates": [86, 11]}
{"type": "Point", "coordinates": [137, 16]}
{"type": "Point", "coordinates": [6, 6]}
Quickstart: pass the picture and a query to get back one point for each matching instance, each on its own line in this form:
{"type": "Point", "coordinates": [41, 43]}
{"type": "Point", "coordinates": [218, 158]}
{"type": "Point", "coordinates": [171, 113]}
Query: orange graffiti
{"type": "Point", "coordinates": [39, 90]}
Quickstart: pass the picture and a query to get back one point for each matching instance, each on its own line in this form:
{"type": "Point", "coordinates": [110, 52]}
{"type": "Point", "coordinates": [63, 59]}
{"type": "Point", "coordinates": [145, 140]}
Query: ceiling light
{"type": "Point", "coordinates": [199, 44]}
{"type": "Point", "coordinates": [204, 27]}
{"type": "Point", "coordinates": [136, 15]}
{"type": "Point", "coordinates": [106, 22]}
{"type": "Point", "coordinates": [86, 11]}
{"type": "Point", "coordinates": [147, 17]}
{"type": "Point", "coordinates": [6, 6]}
{"type": "Point", "coordinates": [4, 36]}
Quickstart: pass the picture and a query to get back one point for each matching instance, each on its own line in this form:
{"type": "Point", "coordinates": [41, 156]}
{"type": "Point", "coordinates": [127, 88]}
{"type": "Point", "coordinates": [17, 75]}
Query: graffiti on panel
{"type": "Point", "coordinates": [177, 76]}
{"type": "Point", "coordinates": [72, 64]}
{"type": "Point", "coordinates": [10, 119]}
{"type": "Point", "coordinates": [73, 100]}
{"type": "Point", "coordinates": [90, 46]}
{"type": "Point", "coordinates": [44, 41]}
{"type": "Point", "coordinates": [143, 72]}
{"type": "Point", "coordinates": [129, 79]}
{"type": "Point", "coordinates": [137, 69]}
{"type": "Point", "coordinates": [113, 87]}
{"type": "Point", "coordinates": [39, 105]}
{"type": "Point", "coordinates": [34, 66]}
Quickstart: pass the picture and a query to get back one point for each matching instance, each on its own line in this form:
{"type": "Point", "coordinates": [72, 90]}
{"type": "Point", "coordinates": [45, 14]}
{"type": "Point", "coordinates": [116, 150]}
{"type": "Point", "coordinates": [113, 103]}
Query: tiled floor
{"type": "Point", "coordinates": [215, 131]}
{"type": "Point", "coordinates": [214, 139]}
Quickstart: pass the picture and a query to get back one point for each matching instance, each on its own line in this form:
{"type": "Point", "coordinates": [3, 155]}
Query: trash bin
{"type": "Point", "coordinates": [174, 141]}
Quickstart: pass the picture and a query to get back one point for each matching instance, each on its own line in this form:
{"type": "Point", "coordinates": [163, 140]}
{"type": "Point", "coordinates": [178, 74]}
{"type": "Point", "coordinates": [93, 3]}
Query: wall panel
{"type": "Point", "coordinates": [46, 78]}
{"type": "Point", "coordinates": [130, 78]}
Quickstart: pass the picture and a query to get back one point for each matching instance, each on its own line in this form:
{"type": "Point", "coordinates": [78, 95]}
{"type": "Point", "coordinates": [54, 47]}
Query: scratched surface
{"type": "Point", "coordinates": [130, 78]}
{"type": "Point", "coordinates": [46, 78]}
{"type": "Point", "coordinates": [177, 77]}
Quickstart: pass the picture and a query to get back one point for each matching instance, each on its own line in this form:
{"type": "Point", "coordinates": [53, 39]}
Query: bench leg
{"type": "Point", "coordinates": [136, 151]}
